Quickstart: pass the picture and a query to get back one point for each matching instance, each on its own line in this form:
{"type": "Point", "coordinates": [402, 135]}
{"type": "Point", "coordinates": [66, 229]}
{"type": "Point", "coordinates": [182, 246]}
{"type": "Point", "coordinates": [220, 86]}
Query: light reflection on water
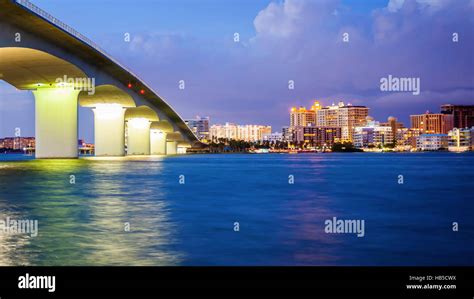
{"type": "Point", "coordinates": [280, 223]}
{"type": "Point", "coordinates": [84, 223]}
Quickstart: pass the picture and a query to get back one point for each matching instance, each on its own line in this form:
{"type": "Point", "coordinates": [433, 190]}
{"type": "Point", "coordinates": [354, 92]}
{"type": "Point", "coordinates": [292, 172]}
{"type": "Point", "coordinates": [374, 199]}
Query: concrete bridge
{"type": "Point", "coordinates": [65, 69]}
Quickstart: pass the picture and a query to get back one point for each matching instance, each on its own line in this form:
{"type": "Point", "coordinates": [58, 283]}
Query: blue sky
{"type": "Point", "coordinates": [247, 82]}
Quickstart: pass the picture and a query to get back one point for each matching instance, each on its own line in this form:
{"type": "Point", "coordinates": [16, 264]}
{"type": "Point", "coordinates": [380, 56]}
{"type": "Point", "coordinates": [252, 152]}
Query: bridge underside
{"type": "Point", "coordinates": [119, 126]}
{"type": "Point", "coordinates": [36, 50]}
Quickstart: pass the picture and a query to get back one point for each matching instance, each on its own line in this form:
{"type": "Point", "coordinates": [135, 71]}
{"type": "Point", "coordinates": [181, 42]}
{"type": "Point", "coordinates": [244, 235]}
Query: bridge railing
{"type": "Point", "coordinates": [58, 23]}
{"type": "Point", "coordinates": [35, 9]}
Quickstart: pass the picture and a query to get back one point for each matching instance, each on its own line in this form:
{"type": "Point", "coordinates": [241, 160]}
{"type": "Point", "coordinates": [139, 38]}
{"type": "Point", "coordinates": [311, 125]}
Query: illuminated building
{"type": "Point", "coordinates": [227, 131]}
{"type": "Point", "coordinates": [273, 137]}
{"type": "Point", "coordinates": [372, 135]}
{"type": "Point", "coordinates": [347, 117]}
{"type": "Point", "coordinates": [393, 123]}
{"type": "Point", "coordinates": [287, 134]}
{"type": "Point", "coordinates": [432, 123]}
{"type": "Point", "coordinates": [239, 132]}
{"type": "Point", "coordinates": [461, 140]}
{"type": "Point", "coordinates": [17, 143]}
{"type": "Point", "coordinates": [432, 142]}
{"type": "Point", "coordinates": [316, 136]}
{"type": "Point", "coordinates": [304, 117]}
{"type": "Point", "coordinates": [463, 115]}
{"type": "Point", "coordinates": [253, 132]}
{"type": "Point", "coordinates": [406, 137]}
{"type": "Point", "coordinates": [199, 126]}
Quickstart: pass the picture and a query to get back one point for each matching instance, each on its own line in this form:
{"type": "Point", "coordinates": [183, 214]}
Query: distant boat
{"type": "Point", "coordinates": [260, 151]}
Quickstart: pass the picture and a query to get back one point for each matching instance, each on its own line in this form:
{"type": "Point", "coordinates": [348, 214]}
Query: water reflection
{"type": "Point", "coordinates": [12, 245]}
{"type": "Point", "coordinates": [82, 219]}
{"type": "Point", "coordinates": [280, 223]}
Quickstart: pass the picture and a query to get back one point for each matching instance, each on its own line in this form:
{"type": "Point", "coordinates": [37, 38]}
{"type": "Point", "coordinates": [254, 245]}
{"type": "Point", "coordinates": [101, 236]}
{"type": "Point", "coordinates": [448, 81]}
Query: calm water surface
{"type": "Point", "coordinates": [280, 223]}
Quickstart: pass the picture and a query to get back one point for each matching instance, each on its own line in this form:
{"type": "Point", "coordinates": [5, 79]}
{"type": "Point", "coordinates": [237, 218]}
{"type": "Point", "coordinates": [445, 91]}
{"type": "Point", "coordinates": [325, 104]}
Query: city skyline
{"type": "Point", "coordinates": [248, 81]}
{"type": "Point", "coordinates": [245, 135]}
{"type": "Point", "coordinates": [205, 123]}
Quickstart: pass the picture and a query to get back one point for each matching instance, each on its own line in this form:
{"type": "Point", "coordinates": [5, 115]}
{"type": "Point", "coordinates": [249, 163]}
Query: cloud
{"type": "Point", "coordinates": [429, 5]}
{"type": "Point", "coordinates": [407, 38]}
{"type": "Point", "coordinates": [290, 17]}
{"type": "Point", "coordinates": [302, 41]}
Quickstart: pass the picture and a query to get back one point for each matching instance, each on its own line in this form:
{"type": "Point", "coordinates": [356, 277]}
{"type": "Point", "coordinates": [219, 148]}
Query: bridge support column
{"type": "Point", "coordinates": [109, 130]}
{"type": "Point", "coordinates": [157, 142]}
{"type": "Point", "coordinates": [171, 147]}
{"type": "Point", "coordinates": [56, 122]}
{"type": "Point", "coordinates": [138, 132]}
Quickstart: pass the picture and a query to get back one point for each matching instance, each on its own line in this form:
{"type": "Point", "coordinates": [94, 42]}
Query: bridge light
{"type": "Point", "coordinates": [129, 85]}
{"type": "Point", "coordinates": [142, 91]}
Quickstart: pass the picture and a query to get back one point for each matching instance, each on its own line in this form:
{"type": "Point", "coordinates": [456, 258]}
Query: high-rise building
{"type": "Point", "coordinates": [432, 123]}
{"type": "Point", "coordinates": [347, 117]}
{"type": "Point", "coordinates": [199, 126]}
{"type": "Point", "coordinates": [393, 123]}
{"type": "Point", "coordinates": [304, 117]}
{"type": "Point", "coordinates": [239, 132]}
{"type": "Point", "coordinates": [461, 140]}
{"type": "Point", "coordinates": [463, 115]}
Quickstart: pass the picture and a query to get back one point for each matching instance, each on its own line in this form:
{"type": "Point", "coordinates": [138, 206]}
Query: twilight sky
{"type": "Point", "coordinates": [247, 81]}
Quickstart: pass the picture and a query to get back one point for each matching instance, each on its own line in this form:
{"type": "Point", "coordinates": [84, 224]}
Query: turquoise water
{"type": "Point", "coordinates": [279, 223]}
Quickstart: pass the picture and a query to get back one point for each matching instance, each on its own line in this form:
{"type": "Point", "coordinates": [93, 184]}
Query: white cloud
{"type": "Point", "coordinates": [294, 16]}
{"type": "Point", "coordinates": [429, 5]}
{"type": "Point", "coordinates": [394, 5]}
{"type": "Point", "coordinates": [278, 20]}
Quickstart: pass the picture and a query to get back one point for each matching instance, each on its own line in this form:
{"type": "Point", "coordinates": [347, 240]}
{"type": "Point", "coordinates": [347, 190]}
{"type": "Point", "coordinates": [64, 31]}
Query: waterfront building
{"type": "Point", "coordinates": [226, 131]}
{"type": "Point", "coordinates": [7, 142]}
{"type": "Point", "coordinates": [406, 137]}
{"type": "Point", "coordinates": [287, 133]}
{"type": "Point", "coordinates": [17, 143]}
{"type": "Point", "coordinates": [432, 142]}
{"type": "Point", "coordinates": [432, 123]}
{"type": "Point", "coordinates": [250, 133]}
{"type": "Point", "coordinates": [373, 134]}
{"type": "Point", "coordinates": [253, 132]}
{"type": "Point", "coordinates": [199, 126]}
{"type": "Point", "coordinates": [393, 123]}
{"type": "Point", "coordinates": [316, 136]}
{"type": "Point", "coordinates": [273, 137]}
{"type": "Point", "coordinates": [461, 140]}
{"type": "Point", "coordinates": [347, 117]}
{"type": "Point", "coordinates": [304, 117]}
{"type": "Point", "coordinates": [463, 115]}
